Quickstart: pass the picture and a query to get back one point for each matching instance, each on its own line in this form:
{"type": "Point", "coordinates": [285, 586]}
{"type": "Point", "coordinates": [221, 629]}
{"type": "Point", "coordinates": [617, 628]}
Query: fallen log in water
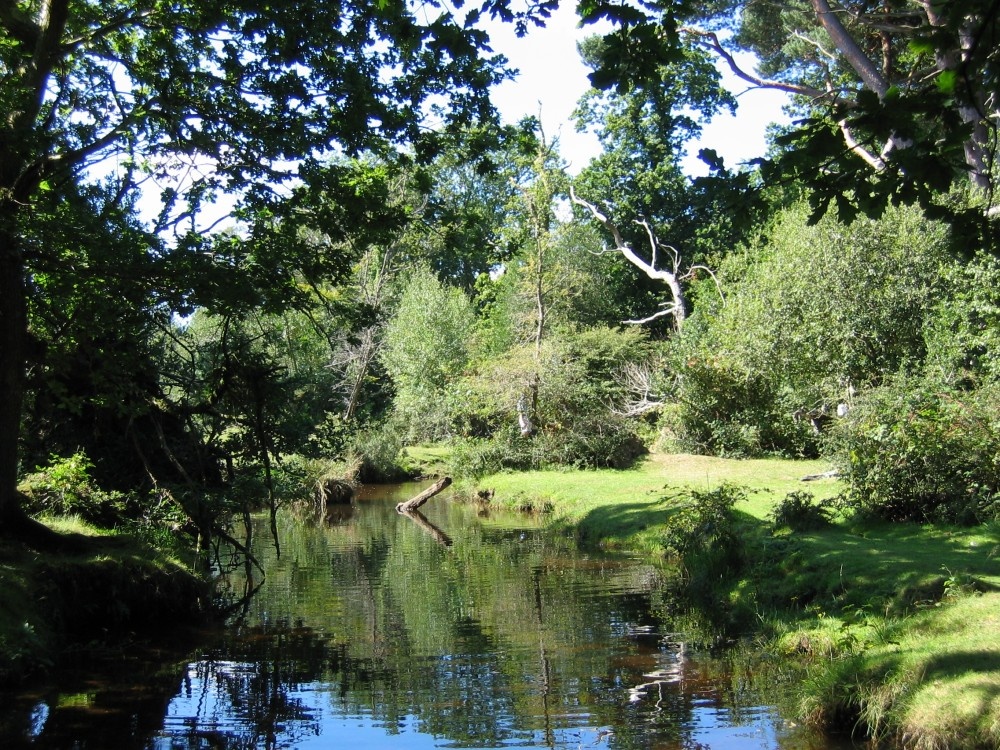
{"type": "Point", "coordinates": [423, 497]}
{"type": "Point", "coordinates": [418, 518]}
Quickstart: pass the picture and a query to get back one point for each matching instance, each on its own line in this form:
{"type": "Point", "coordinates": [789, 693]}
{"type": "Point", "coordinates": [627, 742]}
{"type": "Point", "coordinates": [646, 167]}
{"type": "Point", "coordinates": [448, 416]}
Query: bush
{"type": "Point", "coordinates": [377, 452]}
{"type": "Point", "coordinates": [812, 312]}
{"type": "Point", "coordinates": [575, 373]}
{"type": "Point", "coordinates": [724, 409]}
{"type": "Point", "coordinates": [799, 511]}
{"type": "Point", "coordinates": [506, 450]}
{"type": "Point", "coordinates": [600, 443]}
{"type": "Point", "coordinates": [65, 487]}
{"type": "Point", "coordinates": [702, 531]}
{"type": "Point", "coordinates": [919, 450]}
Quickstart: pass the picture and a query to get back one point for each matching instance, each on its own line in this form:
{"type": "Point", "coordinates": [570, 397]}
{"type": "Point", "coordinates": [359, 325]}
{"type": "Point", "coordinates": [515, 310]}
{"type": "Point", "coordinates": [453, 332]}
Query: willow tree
{"type": "Point", "coordinates": [206, 98]}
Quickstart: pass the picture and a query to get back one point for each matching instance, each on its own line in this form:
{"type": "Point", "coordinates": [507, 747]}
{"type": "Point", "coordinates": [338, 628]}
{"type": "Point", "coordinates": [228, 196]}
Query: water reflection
{"type": "Point", "coordinates": [443, 629]}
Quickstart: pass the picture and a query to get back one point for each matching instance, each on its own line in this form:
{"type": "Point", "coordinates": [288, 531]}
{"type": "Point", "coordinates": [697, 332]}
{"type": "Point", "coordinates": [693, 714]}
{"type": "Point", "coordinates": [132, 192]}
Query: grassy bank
{"type": "Point", "coordinates": [896, 626]}
{"type": "Point", "coordinates": [111, 589]}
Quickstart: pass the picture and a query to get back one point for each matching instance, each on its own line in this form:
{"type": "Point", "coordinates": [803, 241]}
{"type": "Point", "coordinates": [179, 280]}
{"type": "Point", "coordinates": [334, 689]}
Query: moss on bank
{"type": "Point", "coordinates": [114, 589]}
{"type": "Point", "coordinates": [896, 626]}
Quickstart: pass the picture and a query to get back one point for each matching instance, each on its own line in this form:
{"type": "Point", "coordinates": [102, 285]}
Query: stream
{"type": "Point", "coordinates": [455, 628]}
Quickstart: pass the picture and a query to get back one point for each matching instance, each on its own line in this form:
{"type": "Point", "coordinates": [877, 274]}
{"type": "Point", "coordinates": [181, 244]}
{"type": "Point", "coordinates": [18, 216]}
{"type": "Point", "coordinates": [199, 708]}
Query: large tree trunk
{"type": "Point", "coordinates": [13, 335]}
{"type": "Point", "coordinates": [14, 522]}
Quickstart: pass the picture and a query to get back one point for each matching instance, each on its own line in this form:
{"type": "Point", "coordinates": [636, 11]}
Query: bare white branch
{"type": "Point", "coordinates": [669, 278]}
{"type": "Point", "coordinates": [637, 380]}
{"type": "Point", "coordinates": [710, 272]}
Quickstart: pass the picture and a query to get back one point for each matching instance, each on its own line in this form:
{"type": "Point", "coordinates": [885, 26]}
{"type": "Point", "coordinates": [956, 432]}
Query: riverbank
{"type": "Point", "coordinates": [114, 589]}
{"type": "Point", "coordinates": [896, 627]}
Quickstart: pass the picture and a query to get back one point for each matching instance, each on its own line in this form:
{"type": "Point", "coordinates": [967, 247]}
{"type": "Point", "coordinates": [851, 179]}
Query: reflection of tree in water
{"type": "Point", "coordinates": [117, 704]}
{"type": "Point", "coordinates": [243, 694]}
{"type": "Point", "coordinates": [503, 638]}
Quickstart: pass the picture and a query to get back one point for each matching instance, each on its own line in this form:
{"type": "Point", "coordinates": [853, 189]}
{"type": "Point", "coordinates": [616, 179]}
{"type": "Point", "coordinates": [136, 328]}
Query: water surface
{"type": "Point", "coordinates": [452, 629]}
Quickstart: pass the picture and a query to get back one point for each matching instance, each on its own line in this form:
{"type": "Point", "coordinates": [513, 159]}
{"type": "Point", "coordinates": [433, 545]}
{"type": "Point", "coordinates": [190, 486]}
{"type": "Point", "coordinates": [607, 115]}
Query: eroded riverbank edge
{"type": "Point", "coordinates": [895, 628]}
{"type": "Point", "coordinates": [114, 590]}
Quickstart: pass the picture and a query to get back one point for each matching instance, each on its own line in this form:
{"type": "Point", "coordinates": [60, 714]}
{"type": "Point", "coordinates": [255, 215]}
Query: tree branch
{"type": "Point", "coordinates": [876, 162]}
{"type": "Point", "coordinates": [672, 309]}
{"type": "Point", "coordinates": [677, 307]}
{"type": "Point", "coordinates": [855, 56]}
{"type": "Point", "coordinates": [711, 40]}
{"type": "Point", "coordinates": [17, 25]}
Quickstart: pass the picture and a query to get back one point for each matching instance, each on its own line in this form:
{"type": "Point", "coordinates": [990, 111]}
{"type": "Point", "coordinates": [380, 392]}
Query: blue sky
{"type": "Point", "coordinates": [553, 78]}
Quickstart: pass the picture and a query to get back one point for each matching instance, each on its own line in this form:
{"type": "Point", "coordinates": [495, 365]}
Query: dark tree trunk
{"type": "Point", "coordinates": [13, 335]}
{"type": "Point", "coordinates": [14, 522]}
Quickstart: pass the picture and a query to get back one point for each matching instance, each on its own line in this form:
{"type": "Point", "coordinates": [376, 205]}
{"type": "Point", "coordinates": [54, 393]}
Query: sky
{"type": "Point", "coordinates": [553, 78]}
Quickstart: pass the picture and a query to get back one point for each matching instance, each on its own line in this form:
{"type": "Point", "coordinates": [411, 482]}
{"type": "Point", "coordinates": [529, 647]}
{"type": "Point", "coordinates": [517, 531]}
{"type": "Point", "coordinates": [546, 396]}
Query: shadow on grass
{"type": "Point", "coordinates": [892, 567]}
{"type": "Point", "coordinates": [883, 568]}
{"type": "Point", "coordinates": [956, 663]}
{"type": "Point", "coordinates": [620, 521]}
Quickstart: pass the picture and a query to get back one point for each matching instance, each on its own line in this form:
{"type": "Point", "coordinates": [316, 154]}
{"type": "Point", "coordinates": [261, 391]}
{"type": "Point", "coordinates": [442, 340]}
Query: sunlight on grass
{"type": "Point", "coordinates": [936, 676]}
{"type": "Point", "coordinates": [917, 608]}
{"type": "Point", "coordinates": [767, 479]}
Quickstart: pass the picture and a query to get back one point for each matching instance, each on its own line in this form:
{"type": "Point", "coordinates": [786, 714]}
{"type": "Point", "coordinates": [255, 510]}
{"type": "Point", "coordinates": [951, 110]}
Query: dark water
{"type": "Point", "coordinates": [453, 630]}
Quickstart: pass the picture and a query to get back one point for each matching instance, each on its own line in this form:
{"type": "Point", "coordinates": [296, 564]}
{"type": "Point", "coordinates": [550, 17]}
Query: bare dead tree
{"type": "Point", "coordinates": [637, 381]}
{"type": "Point", "coordinates": [672, 276]}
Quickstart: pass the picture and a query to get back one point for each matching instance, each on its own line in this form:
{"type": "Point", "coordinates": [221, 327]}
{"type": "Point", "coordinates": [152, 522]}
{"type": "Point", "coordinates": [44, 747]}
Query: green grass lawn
{"type": "Point", "coordinates": [899, 624]}
{"type": "Point", "coordinates": [623, 509]}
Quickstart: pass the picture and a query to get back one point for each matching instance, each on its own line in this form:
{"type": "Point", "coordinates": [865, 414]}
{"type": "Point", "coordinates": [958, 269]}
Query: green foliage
{"type": "Point", "coordinates": [225, 102]}
{"type": "Point", "coordinates": [426, 348]}
{"type": "Point", "coordinates": [963, 336]}
{"type": "Point", "coordinates": [702, 531]}
{"type": "Point", "coordinates": [578, 381]}
{"type": "Point", "coordinates": [65, 487]}
{"type": "Point", "coordinates": [597, 441]}
{"type": "Point", "coordinates": [921, 450]}
{"type": "Point", "coordinates": [505, 450]}
{"type": "Point", "coordinates": [644, 131]}
{"type": "Point", "coordinates": [800, 511]}
{"type": "Point", "coordinates": [376, 453]}
{"type": "Point", "coordinates": [800, 330]}
{"type": "Point", "coordinates": [724, 407]}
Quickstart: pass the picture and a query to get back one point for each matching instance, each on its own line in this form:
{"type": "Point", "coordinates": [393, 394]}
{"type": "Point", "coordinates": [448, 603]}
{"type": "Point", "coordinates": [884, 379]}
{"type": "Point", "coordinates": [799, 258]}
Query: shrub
{"type": "Point", "coordinates": [574, 373]}
{"type": "Point", "coordinates": [799, 511]}
{"type": "Point", "coordinates": [65, 487]}
{"type": "Point", "coordinates": [725, 409]}
{"type": "Point", "coordinates": [701, 531]}
{"type": "Point", "coordinates": [506, 450]}
{"type": "Point", "coordinates": [920, 450]}
{"type": "Point", "coordinates": [598, 443]}
{"type": "Point", "coordinates": [377, 452]}
{"type": "Point", "coordinates": [801, 328]}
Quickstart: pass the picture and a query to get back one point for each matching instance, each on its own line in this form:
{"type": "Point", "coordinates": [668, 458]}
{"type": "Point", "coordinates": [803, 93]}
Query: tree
{"type": "Point", "coordinates": [208, 97]}
{"type": "Point", "coordinates": [813, 316]}
{"type": "Point", "coordinates": [677, 307]}
{"type": "Point", "coordinates": [638, 182]}
{"type": "Point", "coordinates": [537, 278]}
{"type": "Point", "coordinates": [425, 348]}
{"type": "Point", "coordinates": [898, 98]}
